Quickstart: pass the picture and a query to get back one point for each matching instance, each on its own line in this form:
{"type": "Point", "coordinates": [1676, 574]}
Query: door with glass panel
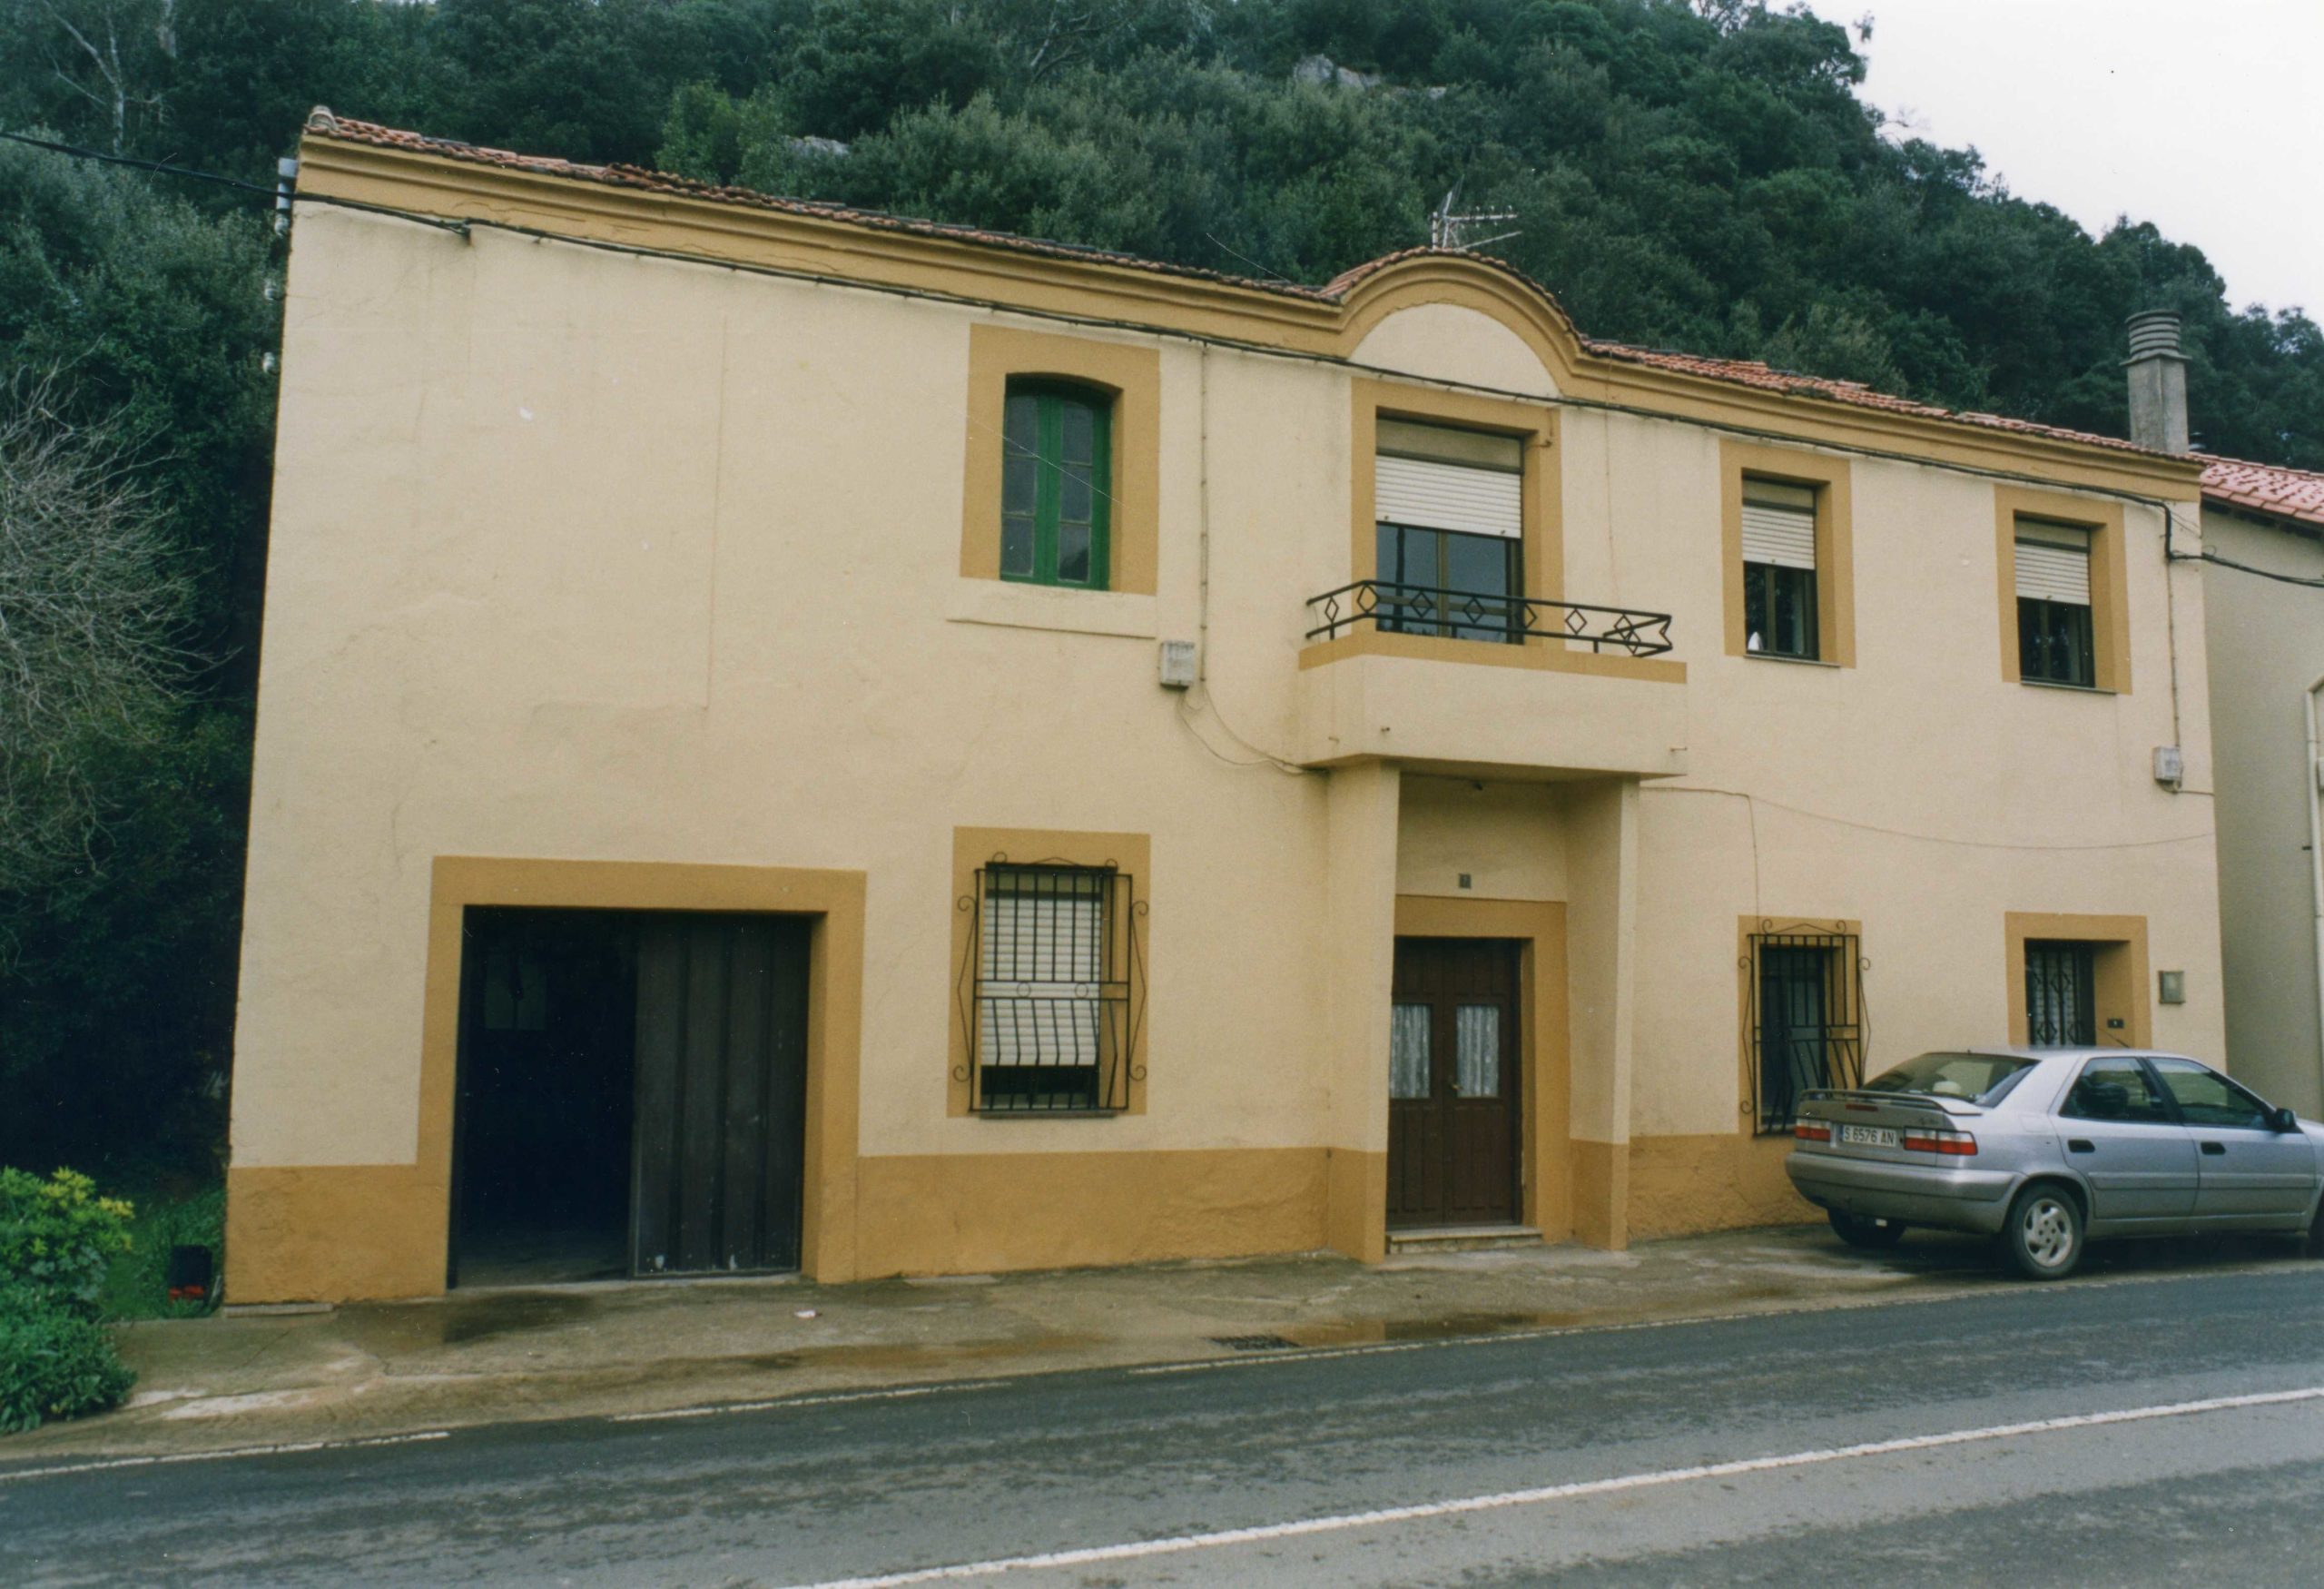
{"type": "Point", "coordinates": [1454, 1083]}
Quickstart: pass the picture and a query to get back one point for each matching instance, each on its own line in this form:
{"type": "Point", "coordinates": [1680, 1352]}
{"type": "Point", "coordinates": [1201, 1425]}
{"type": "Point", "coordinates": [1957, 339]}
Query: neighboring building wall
{"type": "Point", "coordinates": [2266, 649]}
{"type": "Point", "coordinates": [588, 559]}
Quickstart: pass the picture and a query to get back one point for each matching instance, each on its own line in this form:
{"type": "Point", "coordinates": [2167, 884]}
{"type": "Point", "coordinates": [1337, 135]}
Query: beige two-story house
{"type": "Point", "coordinates": [791, 738]}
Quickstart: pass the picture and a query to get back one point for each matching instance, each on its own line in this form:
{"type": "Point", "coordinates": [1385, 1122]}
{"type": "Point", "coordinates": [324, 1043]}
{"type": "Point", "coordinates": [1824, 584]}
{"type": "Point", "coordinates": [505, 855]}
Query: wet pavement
{"type": "Point", "coordinates": [2158, 1421]}
{"type": "Point", "coordinates": [616, 1349]}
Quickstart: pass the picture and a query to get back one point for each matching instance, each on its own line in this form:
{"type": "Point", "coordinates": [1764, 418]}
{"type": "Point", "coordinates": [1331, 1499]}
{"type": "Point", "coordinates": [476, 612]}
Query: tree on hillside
{"type": "Point", "coordinates": [118, 929]}
{"type": "Point", "coordinates": [93, 616]}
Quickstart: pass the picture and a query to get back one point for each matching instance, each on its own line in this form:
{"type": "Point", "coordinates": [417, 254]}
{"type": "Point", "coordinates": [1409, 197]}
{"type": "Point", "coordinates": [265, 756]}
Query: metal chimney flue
{"type": "Point", "coordinates": [2158, 374]}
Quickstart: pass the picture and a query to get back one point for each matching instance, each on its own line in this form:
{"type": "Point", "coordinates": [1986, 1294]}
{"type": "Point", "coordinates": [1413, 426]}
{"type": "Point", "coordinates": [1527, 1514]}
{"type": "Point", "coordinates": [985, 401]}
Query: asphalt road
{"type": "Point", "coordinates": [2157, 1430]}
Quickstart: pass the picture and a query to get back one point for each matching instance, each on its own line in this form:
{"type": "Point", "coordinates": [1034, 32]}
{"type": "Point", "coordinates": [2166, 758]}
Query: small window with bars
{"type": "Point", "coordinates": [1779, 617]}
{"type": "Point", "coordinates": [2061, 994]}
{"type": "Point", "coordinates": [1048, 1013]}
{"type": "Point", "coordinates": [2054, 634]}
{"type": "Point", "coordinates": [1807, 1023]}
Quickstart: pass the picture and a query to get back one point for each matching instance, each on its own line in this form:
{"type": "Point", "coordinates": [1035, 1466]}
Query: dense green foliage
{"type": "Point", "coordinates": [1693, 175]}
{"type": "Point", "coordinates": [54, 1364]}
{"type": "Point", "coordinates": [58, 1240]}
{"type": "Point", "coordinates": [138, 1284]}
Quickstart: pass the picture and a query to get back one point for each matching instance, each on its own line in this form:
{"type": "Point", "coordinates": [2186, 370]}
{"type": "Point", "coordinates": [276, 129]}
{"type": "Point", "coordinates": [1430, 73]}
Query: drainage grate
{"type": "Point", "coordinates": [1255, 1343]}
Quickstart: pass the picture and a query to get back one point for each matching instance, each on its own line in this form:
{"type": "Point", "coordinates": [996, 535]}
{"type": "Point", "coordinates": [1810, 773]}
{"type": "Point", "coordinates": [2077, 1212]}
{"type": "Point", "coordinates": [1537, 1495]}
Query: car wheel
{"type": "Point", "coordinates": [2312, 1244]}
{"type": "Point", "coordinates": [1858, 1231]}
{"type": "Point", "coordinates": [2044, 1235]}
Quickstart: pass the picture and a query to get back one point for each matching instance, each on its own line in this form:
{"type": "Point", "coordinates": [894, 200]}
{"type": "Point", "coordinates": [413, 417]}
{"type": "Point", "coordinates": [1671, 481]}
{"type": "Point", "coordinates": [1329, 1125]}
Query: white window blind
{"type": "Point", "coordinates": [1434, 477]}
{"type": "Point", "coordinates": [2052, 562]}
{"type": "Point", "coordinates": [1779, 524]}
{"type": "Point", "coordinates": [1043, 954]}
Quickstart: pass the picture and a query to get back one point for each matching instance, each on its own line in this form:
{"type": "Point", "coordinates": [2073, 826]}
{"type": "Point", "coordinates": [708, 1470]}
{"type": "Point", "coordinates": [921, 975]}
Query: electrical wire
{"type": "Point", "coordinates": [442, 223]}
{"type": "Point", "coordinates": [1897, 832]}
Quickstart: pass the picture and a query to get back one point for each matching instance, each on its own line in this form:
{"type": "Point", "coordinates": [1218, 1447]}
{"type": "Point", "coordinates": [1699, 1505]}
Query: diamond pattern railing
{"type": "Point", "coordinates": [1469, 615]}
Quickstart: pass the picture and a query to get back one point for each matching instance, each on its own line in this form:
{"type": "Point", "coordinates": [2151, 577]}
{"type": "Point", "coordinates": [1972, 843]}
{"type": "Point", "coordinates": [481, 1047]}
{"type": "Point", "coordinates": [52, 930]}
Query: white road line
{"type": "Point", "coordinates": [1098, 1555]}
{"type": "Point", "coordinates": [719, 1408]}
{"type": "Point", "coordinates": [291, 1448]}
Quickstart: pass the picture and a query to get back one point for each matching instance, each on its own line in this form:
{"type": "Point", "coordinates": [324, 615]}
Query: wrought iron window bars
{"type": "Point", "coordinates": [1805, 1017]}
{"type": "Point", "coordinates": [1051, 989]}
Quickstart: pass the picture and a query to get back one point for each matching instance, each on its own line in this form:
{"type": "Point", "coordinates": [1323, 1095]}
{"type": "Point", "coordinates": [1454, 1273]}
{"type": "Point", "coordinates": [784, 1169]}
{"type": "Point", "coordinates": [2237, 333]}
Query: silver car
{"type": "Point", "coordinates": [2047, 1148]}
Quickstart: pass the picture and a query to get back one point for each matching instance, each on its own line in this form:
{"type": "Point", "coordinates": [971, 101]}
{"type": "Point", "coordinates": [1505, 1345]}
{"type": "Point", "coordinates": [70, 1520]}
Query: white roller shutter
{"type": "Point", "coordinates": [1435, 477]}
{"type": "Point", "coordinates": [1039, 988]}
{"type": "Point", "coordinates": [1447, 496]}
{"type": "Point", "coordinates": [2054, 562]}
{"type": "Point", "coordinates": [1778, 525]}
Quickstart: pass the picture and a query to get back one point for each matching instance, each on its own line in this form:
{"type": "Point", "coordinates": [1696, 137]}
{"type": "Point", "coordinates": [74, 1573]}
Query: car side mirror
{"type": "Point", "coordinates": [2283, 1119]}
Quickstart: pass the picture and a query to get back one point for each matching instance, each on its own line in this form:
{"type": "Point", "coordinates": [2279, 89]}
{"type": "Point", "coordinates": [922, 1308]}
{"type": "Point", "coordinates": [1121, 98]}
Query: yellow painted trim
{"type": "Point", "coordinates": [337, 1233]}
{"type": "Point", "coordinates": [1356, 1213]}
{"type": "Point", "coordinates": [970, 1213]}
{"type": "Point", "coordinates": [837, 249]}
{"type": "Point", "coordinates": [1601, 1194]}
{"type": "Point", "coordinates": [2110, 606]}
{"type": "Point", "coordinates": [1133, 374]}
{"type": "Point", "coordinates": [1131, 853]}
{"type": "Point", "coordinates": [1545, 1154]}
{"type": "Point", "coordinates": [1834, 540]}
{"type": "Point", "coordinates": [2122, 991]}
{"type": "Point", "coordinates": [1684, 1185]}
{"type": "Point", "coordinates": [1545, 657]}
{"type": "Point", "coordinates": [1745, 1126]}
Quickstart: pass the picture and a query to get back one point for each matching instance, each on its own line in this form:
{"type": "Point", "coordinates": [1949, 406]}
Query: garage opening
{"type": "Point", "coordinates": [632, 1095]}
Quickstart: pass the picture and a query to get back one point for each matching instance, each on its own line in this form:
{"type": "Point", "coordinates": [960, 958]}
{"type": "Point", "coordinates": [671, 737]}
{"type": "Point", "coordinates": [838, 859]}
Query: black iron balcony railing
{"type": "Point", "coordinates": [1467, 614]}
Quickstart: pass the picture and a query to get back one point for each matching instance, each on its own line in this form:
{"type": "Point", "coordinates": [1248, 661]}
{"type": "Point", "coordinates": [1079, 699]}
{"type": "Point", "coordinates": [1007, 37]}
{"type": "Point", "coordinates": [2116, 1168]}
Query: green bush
{"type": "Point", "coordinates": [167, 1217]}
{"type": "Point", "coordinates": [58, 1239]}
{"type": "Point", "coordinates": [54, 1364]}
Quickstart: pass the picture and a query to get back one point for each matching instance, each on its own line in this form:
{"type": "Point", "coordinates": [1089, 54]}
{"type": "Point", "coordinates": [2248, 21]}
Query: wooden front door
{"type": "Point", "coordinates": [722, 1093]}
{"type": "Point", "coordinates": [1452, 1083]}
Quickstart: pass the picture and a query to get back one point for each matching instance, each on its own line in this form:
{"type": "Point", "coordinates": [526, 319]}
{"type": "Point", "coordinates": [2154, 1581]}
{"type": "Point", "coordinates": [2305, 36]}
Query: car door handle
{"type": "Point", "coordinates": [2217, 1149]}
{"type": "Point", "coordinates": [2076, 1145]}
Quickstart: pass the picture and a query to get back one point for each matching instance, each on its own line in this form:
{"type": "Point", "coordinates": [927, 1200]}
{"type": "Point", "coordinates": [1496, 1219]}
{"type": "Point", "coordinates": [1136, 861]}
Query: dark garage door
{"type": "Point", "coordinates": [722, 1093]}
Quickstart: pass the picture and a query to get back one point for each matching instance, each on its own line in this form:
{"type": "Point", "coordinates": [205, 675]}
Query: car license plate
{"type": "Point", "coordinates": [1868, 1135]}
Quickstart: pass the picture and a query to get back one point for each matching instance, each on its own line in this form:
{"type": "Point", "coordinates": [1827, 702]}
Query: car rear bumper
{"type": "Point", "coordinates": [1950, 1197]}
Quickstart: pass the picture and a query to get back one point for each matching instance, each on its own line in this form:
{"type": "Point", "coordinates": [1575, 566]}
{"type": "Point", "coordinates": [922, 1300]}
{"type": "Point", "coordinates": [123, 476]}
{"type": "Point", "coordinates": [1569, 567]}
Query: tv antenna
{"type": "Point", "coordinates": [1447, 229]}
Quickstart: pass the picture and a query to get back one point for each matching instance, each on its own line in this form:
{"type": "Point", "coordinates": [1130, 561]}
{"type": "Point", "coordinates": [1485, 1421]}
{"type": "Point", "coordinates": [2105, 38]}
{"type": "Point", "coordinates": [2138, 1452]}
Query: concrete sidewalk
{"type": "Point", "coordinates": [598, 1350]}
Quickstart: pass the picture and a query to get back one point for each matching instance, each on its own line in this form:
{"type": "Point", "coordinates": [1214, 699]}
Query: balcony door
{"type": "Point", "coordinates": [1454, 1084]}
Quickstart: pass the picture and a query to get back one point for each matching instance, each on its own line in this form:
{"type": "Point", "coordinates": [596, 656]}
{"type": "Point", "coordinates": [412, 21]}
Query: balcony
{"type": "Point", "coordinates": [1482, 684]}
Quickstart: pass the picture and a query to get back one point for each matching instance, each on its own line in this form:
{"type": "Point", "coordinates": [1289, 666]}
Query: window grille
{"type": "Point", "coordinates": [2061, 995]}
{"type": "Point", "coordinates": [1807, 1024]}
{"type": "Point", "coordinates": [1051, 989]}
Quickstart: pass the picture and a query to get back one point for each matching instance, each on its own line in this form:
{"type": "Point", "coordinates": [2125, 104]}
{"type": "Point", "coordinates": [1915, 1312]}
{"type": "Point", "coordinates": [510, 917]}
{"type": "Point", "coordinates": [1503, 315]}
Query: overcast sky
{"type": "Point", "coordinates": [2203, 116]}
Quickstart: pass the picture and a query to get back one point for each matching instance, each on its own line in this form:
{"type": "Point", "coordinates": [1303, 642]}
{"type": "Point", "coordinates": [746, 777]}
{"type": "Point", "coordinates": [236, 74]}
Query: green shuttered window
{"type": "Point", "coordinates": [1057, 461]}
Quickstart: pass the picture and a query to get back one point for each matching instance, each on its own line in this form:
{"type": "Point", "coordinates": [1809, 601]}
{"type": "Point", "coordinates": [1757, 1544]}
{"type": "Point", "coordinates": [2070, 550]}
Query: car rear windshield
{"type": "Point", "coordinates": [1978, 1077]}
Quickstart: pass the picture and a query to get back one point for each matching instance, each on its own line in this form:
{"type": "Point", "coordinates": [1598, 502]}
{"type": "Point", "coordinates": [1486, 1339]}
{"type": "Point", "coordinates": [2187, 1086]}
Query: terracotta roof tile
{"type": "Point", "coordinates": [2288, 493]}
{"type": "Point", "coordinates": [1733, 372]}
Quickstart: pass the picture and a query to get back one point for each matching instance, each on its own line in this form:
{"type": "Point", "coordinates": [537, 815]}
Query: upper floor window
{"type": "Point", "coordinates": [1450, 507]}
{"type": "Point", "coordinates": [2055, 643]}
{"type": "Point", "coordinates": [1780, 569]}
{"type": "Point", "coordinates": [1057, 458]}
